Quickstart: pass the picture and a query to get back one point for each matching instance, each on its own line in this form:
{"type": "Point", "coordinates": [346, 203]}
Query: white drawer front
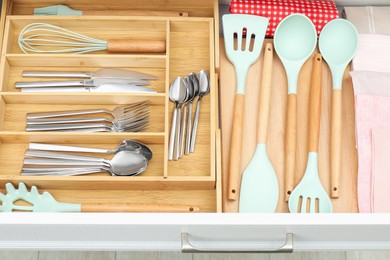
{"type": "Point", "coordinates": [206, 231]}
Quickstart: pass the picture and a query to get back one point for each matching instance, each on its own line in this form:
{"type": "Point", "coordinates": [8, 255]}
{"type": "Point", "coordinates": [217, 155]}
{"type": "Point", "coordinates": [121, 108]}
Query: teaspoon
{"type": "Point", "coordinates": [177, 94]}
{"type": "Point", "coordinates": [204, 89]}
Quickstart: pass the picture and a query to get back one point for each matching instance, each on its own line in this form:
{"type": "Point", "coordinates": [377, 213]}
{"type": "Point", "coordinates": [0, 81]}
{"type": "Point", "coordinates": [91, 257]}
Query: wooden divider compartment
{"type": "Point", "coordinates": [136, 28]}
{"type": "Point", "coordinates": [190, 48]}
{"type": "Point", "coordinates": [14, 65]}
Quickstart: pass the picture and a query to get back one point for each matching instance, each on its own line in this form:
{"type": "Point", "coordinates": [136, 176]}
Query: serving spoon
{"type": "Point", "coordinates": [125, 145]}
{"type": "Point", "coordinates": [124, 163]}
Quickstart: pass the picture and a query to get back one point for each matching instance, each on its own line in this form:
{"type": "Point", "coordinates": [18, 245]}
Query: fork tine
{"type": "Point", "coordinates": [303, 205]}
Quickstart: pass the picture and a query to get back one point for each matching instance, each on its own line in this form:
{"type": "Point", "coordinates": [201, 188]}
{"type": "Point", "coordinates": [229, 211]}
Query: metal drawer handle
{"type": "Point", "coordinates": [186, 247]}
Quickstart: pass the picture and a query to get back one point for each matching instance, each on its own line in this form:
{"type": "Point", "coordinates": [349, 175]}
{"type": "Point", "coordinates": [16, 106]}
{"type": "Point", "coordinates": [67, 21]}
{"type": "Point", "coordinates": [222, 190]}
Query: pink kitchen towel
{"type": "Point", "coordinates": [371, 112]}
{"type": "Point", "coordinates": [371, 83]}
{"type": "Point", "coordinates": [381, 170]}
{"type": "Point", "coordinates": [373, 53]}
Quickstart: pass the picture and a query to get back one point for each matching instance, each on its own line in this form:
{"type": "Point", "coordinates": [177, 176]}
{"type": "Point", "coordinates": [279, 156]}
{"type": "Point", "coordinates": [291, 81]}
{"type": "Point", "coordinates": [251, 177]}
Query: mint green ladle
{"type": "Point", "coordinates": [338, 44]}
{"type": "Point", "coordinates": [295, 40]}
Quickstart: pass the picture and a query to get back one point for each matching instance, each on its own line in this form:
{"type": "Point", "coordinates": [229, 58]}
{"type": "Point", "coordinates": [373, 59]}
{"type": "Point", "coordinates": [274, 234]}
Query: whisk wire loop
{"type": "Point", "coordinates": [55, 36]}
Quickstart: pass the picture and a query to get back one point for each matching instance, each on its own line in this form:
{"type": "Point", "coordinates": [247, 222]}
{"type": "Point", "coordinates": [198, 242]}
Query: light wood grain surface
{"type": "Point", "coordinates": [347, 202]}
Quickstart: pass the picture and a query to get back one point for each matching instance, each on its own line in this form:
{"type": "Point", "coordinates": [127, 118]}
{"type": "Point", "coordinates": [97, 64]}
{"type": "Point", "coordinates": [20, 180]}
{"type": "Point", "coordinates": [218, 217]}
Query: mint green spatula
{"type": "Point", "coordinates": [45, 202]}
{"type": "Point", "coordinates": [244, 36]}
{"type": "Point", "coordinates": [259, 186]}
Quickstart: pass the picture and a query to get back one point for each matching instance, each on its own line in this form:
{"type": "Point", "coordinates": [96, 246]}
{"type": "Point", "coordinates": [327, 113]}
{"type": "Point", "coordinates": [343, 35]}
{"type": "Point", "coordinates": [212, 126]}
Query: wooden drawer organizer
{"type": "Point", "coordinates": [190, 47]}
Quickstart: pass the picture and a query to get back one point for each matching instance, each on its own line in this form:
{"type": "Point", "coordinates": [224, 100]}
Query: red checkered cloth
{"type": "Point", "coordinates": [320, 12]}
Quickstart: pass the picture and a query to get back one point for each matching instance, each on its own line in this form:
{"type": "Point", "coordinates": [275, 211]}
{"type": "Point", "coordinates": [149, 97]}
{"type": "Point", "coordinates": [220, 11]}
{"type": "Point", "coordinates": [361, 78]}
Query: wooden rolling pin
{"type": "Point", "coordinates": [67, 11]}
{"type": "Point", "coordinates": [125, 207]}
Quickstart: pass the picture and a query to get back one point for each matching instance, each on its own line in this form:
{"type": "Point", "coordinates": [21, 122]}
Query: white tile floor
{"type": "Point", "coordinates": [79, 255]}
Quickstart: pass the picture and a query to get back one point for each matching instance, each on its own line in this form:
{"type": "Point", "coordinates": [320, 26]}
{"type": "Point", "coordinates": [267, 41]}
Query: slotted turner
{"type": "Point", "coordinates": [45, 202]}
{"type": "Point", "coordinates": [309, 196]}
{"type": "Point", "coordinates": [243, 36]}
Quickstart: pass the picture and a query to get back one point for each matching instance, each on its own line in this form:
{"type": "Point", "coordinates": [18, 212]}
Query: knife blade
{"type": "Point", "coordinates": [80, 83]}
{"type": "Point", "coordinates": [106, 88]}
{"type": "Point", "coordinates": [101, 73]}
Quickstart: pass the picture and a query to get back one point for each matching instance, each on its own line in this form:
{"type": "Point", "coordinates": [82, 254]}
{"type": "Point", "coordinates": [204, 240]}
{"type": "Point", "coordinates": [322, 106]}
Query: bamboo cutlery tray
{"type": "Point", "coordinates": [189, 48]}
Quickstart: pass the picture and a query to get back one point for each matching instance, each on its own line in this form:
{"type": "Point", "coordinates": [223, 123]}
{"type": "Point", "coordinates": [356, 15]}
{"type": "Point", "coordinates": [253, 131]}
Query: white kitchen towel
{"type": "Point", "coordinates": [373, 53]}
{"type": "Point", "coordinates": [371, 112]}
{"type": "Point", "coordinates": [381, 170]}
{"type": "Point", "coordinates": [369, 19]}
{"type": "Point", "coordinates": [371, 83]}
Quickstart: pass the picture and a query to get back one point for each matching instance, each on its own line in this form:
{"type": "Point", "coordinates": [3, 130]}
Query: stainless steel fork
{"type": "Point", "coordinates": [119, 113]}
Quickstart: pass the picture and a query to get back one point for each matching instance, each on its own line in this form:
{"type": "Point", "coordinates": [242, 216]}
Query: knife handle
{"type": "Point", "coordinates": [44, 84]}
{"type": "Point", "coordinates": [56, 74]}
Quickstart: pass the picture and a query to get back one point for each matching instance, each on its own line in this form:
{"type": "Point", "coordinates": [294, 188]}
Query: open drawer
{"type": "Point", "coordinates": [197, 180]}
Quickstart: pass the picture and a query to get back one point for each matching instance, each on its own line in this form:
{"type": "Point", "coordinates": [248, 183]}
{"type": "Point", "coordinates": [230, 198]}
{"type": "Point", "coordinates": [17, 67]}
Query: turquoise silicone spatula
{"type": "Point", "coordinates": [45, 202]}
{"type": "Point", "coordinates": [295, 40]}
{"type": "Point", "coordinates": [244, 37]}
{"type": "Point", "coordinates": [259, 186]}
{"type": "Point", "coordinates": [338, 43]}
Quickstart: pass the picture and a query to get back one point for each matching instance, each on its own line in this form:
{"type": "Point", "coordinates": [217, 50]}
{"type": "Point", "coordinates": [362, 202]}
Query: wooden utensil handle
{"type": "Point", "coordinates": [135, 13]}
{"type": "Point", "coordinates": [335, 143]}
{"type": "Point", "coordinates": [315, 104]}
{"type": "Point", "coordinates": [235, 147]}
{"type": "Point", "coordinates": [125, 207]}
{"type": "Point", "coordinates": [135, 46]}
{"type": "Point", "coordinates": [290, 144]}
{"type": "Point", "coordinates": [265, 94]}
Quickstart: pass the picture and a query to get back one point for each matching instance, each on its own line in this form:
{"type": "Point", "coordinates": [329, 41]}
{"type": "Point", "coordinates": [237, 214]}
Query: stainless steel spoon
{"type": "Point", "coordinates": [125, 145]}
{"type": "Point", "coordinates": [204, 89]}
{"type": "Point", "coordinates": [177, 94]}
{"type": "Point", "coordinates": [124, 163]}
{"type": "Point", "coordinates": [184, 129]}
{"type": "Point", "coordinates": [195, 84]}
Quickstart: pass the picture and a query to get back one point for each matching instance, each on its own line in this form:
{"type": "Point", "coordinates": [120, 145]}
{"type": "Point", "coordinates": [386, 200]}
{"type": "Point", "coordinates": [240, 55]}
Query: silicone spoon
{"type": "Point", "coordinates": [259, 187]}
{"type": "Point", "coordinates": [309, 196]}
{"type": "Point", "coordinates": [295, 40]}
{"type": "Point", "coordinates": [244, 36]}
{"type": "Point", "coordinates": [338, 43]}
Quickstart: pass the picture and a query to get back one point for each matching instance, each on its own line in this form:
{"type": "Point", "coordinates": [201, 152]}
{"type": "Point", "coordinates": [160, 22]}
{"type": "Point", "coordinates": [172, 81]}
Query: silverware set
{"type": "Point", "coordinates": [182, 93]}
{"type": "Point", "coordinates": [133, 117]}
{"type": "Point", "coordinates": [131, 158]}
{"type": "Point", "coordinates": [103, 80]}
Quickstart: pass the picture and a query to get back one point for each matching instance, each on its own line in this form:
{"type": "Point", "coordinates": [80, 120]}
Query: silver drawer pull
{"type": "Point", "coordinates": [186, 247]}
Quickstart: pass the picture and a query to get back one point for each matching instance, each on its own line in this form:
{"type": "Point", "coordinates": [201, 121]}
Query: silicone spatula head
{"type": "Point", "coordinates": [244, 37]}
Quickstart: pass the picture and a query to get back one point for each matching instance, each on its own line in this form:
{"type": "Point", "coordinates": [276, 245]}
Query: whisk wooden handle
{"type": "Point", "coordinates": [135, 46]}
{"type": "Point", "coordinates": [125, 207]}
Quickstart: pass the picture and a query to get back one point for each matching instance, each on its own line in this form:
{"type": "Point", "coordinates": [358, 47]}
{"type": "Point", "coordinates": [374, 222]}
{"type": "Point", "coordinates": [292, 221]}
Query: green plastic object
{"type": "Point", "coordinates": [311, 186]}
{"type": "Point", "coordinates": [242, 56]}
{"type": "Point", "coordinates": [259, 186]}
{"type": "Point", "coordinates": [38, 202]}
{"type": "Point", "coordinates": [57, 10]}
{"type": "Point", "coordinates": [295, 39]}
{"type": "Point", "coordinates": [338, 44]}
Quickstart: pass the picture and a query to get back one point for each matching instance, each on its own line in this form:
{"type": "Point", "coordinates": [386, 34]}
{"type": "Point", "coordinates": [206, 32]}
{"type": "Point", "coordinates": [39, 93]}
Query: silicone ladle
{"type": "Point", "coordinates": [338, 44]}
{"type": "Point", "coordinates": [295, 40]}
